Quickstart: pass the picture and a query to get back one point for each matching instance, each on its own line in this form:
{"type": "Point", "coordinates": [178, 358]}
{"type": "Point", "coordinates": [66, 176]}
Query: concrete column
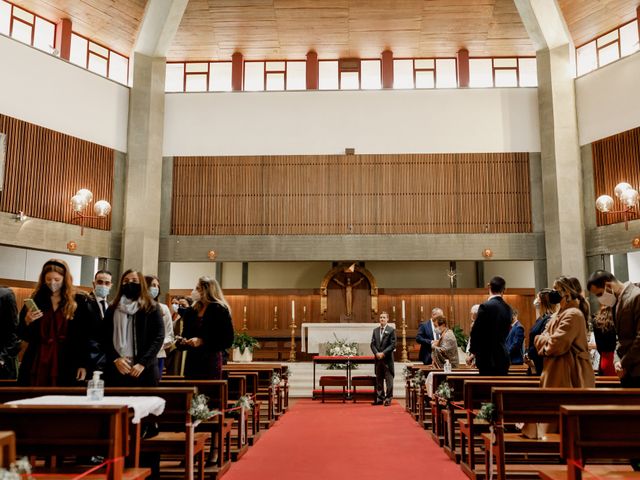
{"type": "Point", "coordinates": [387, 69]}
{"type": "Point", "coordinates": [87, 267]}
{"type": "Point", "coordinates": [237, 72]}
{"type": "Point", "coordinates": [63, 38]}
{"type": "Point", "coordinates": [313, 71]}
{"type": "Point", "coordinates": [540, 274]}
{"type": "Point", "coordinates": [142, 206]}
{"type": "Point", "coordinates": [463, 68]}
{"type": "Point", "coordinates": [560, 151]}
{"type": "Point", "coordinates": [164, 274]}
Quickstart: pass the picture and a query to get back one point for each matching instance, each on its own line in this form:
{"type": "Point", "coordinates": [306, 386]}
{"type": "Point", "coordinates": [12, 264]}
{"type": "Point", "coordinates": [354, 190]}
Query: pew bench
{"type": "Point", "coordinates": [538, 405]}
{"type": "Point", "coordinates": [72, 430]}
{"type": "Point", "coordinates": [237, 389]}
{"type": "Point", "coordinates": [7, 449]}
{"type": "Point", "coordinates": [251, 381]}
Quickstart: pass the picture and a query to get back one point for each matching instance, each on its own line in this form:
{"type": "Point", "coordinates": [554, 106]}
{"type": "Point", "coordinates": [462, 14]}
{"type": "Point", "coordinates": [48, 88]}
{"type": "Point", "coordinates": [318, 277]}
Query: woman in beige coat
{"type": "Point", "coordinates": [563, 344]}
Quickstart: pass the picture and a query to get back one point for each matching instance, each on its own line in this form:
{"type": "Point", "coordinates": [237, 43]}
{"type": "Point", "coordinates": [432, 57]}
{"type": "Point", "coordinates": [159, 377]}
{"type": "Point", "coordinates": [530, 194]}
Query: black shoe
{"type": "Point", "coordinates": [376, 403]}
{"type": "Point", "coordinates": [387, 403]}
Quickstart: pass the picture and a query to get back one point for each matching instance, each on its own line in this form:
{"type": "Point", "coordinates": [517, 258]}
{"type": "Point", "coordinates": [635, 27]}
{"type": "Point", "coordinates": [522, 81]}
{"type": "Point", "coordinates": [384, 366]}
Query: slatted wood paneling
{"type": "Point", "coordinates": [615, 159]}
{"type": "Point", "coordinates": [359, 194]}
{"type": "Point", "coordinates": [44, 169]}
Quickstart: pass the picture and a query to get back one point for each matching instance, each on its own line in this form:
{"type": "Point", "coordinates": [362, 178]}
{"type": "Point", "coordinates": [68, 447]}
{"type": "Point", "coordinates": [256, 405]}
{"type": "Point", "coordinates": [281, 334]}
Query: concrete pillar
{"type": "Point", "coordinates": [142, 205]}
{"type": "Point", "coordinates": [237, 72]}
{"type": "Point", "coordinates": [63, 38]}
{"type": "Point", "coordinates": [87, 270]}
{"type": "Point", "coordinates": [560, 150]}
{"type": "Point", "coordinates": [313, 71]}
{"type": "Point", "coordinates": [164, 274]}
{"type": "Point", "coordinates": [387, 69]}
{"type": "Point", "coordinates": [540, 274]}
{"type": "Point", "coordinates": [463, 68]}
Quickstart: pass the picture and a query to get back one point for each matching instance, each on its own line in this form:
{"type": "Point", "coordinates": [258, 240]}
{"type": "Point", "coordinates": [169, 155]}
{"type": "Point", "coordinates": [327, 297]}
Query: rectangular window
{"type": "Point", "coordinates": [506, 77]}
{"type": "Point", "coordinates": [118, 68]}
{"type": "Point", "coordinates": [275, 74]}
{"type": "Point", "coordinates": [586, 58]}
{"type": "Point", "coordinates": [44, 35]}
{"type": "Point", "coordinates": [253, 76]}
{"type": "Point", "coordinates": [528, 72]}
{"type": "Point", "coordinates": [196, 82]}
{"type": "Point", "coordinates": [328, 73]}
{"type": "Point", "coordinates": [220, 77]}
{"type": "Point", "coordinates": [349, 80]}
{"type": "Point", "coordinates": [371, 74]}
{"type": "Point", "coordinates": [425, 78]}
{"type": "Point", "coordinates": [296, 75]}
{"type": "Point", "coordinates": [446, 74]}
{"type": "Point", "coordinates": [5, 17]}
{"type": "Point", "coordinates": [629, 38]}
{"type": "Point", "coordinates": [403, 73]}
{"type": "Point", "coordinates": [79, 47]}
{"type": "Point", "coordinates": [174, 80]}
{"type": "Point", "coordinates": [608, 54]}
{"type": "Point", "coordinates": [98, 64]}
{"type": "Point", "coordinates": [21, 31]}
{"type": "Point", "coordinates": [480, 72]}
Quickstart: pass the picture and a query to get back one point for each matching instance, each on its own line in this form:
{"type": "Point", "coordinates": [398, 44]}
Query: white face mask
{"type": "Point", "coordinates": [154, 291]}
{"type": "Point", "coordinates": [54, 286]}
{"type": "Point", "coordinates": [607, 299]}
{"type": "Point", "coordinates": [195, 295]}
{"type": "Point", "coordinates": [174, 307]}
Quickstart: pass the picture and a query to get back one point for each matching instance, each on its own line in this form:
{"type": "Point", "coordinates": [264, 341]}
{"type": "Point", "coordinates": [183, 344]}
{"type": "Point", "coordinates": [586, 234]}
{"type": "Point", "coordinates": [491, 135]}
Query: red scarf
{"type": "Point", "coordinates": [53, 334]}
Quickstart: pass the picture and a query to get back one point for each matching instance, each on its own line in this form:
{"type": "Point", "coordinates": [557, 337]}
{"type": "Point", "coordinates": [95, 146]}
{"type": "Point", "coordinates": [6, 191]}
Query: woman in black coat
{"type": "Point", "coordinates": [207, 332]}
{"type": "Point", "coordinates": [133, 335]}
{"type": "Point", "coordinates": [544, 310]}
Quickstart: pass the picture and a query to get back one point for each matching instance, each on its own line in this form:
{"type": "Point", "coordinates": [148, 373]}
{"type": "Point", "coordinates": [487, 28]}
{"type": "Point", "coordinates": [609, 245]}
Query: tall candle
{"type": "Point", "coordinates": [421, 309]}
{"type": "Point", "coordinates": [245, 310]}
{"type": "Point", "coordinates": [403, 313]}
{"type": "Point", "coordinates": [275, 309]}
{"type": "Point", "coordinates": [293, 309]}
{"type": "Point", "coordinates": [393, 309]}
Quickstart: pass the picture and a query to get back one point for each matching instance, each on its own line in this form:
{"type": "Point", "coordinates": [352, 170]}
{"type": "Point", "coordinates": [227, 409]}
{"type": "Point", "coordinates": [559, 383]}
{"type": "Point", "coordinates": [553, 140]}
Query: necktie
{"type": "Point", "coordinates": [103, 307]}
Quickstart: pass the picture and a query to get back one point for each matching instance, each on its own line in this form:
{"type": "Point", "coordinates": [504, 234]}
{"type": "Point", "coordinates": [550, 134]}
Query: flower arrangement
{"type": "Point", "coordinates": [17, 471]}
{"type": "Point", "coordinates": [245, 403]}
{"type": "Point", "coordinates": [444, 393]}
{"type": "Point", "coordinates": [488, 413]}
{"type": "Point", "coordinates": [419, 378]}
{"type": "Point", "coordinates": [275, 379]}
{"type": "Point", "coordinates": [341, 348]}
{"type": "Point", "coordinates": [243, 341]}
{"type": "Point", "coordinates": [200, 408]}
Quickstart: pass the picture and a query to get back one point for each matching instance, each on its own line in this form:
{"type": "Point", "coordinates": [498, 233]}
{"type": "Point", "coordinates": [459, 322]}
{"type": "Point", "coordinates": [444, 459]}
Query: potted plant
{"type": "Point", "coordinates": [243, 345]}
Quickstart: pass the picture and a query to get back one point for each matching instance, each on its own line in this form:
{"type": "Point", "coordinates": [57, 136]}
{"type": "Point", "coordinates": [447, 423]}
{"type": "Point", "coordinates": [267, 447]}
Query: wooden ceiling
{"type": "Point", "coordinates": [288, 29]}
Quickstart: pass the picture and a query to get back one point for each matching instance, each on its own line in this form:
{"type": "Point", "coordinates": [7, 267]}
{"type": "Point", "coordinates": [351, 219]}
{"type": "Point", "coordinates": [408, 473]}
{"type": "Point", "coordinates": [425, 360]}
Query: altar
{"type": "Point", "coordinates": [313, 334]}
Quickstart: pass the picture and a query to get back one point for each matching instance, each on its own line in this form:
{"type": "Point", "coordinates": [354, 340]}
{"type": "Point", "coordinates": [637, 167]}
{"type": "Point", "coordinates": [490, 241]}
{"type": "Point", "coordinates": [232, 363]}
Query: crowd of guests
{"type": "Point", "coordinates": [567, 344]}
{"type": "Point", "coordinates": [69, 333]}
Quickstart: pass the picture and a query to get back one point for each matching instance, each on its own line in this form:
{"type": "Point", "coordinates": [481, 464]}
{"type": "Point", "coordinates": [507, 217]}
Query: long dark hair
{"type": "Point", "coordinates": [146, 302]}
{"type": "Point", "coordinates": [570, 286]}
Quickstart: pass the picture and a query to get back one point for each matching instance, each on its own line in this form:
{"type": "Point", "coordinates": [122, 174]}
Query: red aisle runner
{"type": "Point", "coordinates": [344, 441]}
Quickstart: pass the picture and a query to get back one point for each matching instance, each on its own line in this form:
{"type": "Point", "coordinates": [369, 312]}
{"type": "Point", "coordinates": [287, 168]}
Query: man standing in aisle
{"type": "Point", "coordinates": [426, 335]}
{"type": "Point", "coordinates": [490, 330]}
{"type": "Point", "coordinates": [383, 344]}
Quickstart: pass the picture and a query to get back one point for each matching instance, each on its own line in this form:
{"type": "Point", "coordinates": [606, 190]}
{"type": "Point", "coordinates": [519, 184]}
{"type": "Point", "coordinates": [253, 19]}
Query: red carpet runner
{"type": "Point", "coordinates": [335, 441]}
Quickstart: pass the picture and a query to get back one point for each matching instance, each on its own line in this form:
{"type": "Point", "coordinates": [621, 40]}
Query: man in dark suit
{"type": "Point", "coordinates": [426, 335]}
{"type": "Point", "coordinates": [9, 343]}
{"type": "Point", "coordinates": [383, 344]}
{"type": "Point", "coordinates": [490, 330]}
{"type": "Point", "coordinates": [515, 341]}
{"type": "Point", "coordinates": [97, 306]}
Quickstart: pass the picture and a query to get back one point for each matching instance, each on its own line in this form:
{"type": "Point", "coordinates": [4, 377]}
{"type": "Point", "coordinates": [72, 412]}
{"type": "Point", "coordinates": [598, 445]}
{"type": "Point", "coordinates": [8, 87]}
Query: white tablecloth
{"type": "Point", "coordinates": [142, 406]}
{"type": "Point", "coordinates": [313, 334]}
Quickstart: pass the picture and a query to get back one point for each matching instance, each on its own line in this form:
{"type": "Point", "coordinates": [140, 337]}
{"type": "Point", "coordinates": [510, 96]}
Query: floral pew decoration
{"type": "Point", "coordinates": [341, 348]}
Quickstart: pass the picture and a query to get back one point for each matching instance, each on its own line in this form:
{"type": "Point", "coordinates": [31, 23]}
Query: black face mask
{"type": "Point", "coordinates": [131, 290]}
{"type": "Point", "coordinates": [554, 297]}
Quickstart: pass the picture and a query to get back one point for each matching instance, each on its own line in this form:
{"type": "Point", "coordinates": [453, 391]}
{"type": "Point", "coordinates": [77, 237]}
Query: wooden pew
{"type": "Point", "coordinates": [7, 449]}
{"type": "Point", "coordinates": [541, 405]}
{"type": "Point", "coordinates": [72, 430]}
{"type": "Point", "coordinates": [251, 379]}
{"type": "Point", "coordinates": [597, 432]}
{"type": "Point", "coordinates": [237, 389]}
{"type": "Point", "coordinates": [219, 426]}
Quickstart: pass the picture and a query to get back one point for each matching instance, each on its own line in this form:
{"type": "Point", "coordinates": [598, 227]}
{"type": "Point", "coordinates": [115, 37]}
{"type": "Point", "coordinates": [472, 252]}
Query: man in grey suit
{"type": "Point", "coordinates": [383, 344]}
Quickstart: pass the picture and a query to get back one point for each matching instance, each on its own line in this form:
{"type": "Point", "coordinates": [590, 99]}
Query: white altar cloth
{"type": "Point", "coordinates": [142, 406]}
{"type": "Point", "coordinates": [313, 334]}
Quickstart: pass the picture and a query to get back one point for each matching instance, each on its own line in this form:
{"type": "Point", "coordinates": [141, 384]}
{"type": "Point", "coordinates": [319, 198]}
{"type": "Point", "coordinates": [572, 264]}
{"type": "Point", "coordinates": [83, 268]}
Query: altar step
{"type": "Point", "coordinates": [301, 379]}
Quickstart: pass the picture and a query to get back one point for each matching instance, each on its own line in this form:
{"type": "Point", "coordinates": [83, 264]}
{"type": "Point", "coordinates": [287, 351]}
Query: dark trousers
{"type": "Point", "coordinates": [384, 374]}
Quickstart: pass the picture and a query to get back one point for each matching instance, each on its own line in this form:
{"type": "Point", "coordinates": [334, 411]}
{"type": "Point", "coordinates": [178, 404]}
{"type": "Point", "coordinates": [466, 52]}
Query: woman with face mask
{"type": "Point", "coordinates": [56, 330]}
{"type": "Point", "coordinates": [208, 331]}
{"type": "Point", "coordinates": [446, 346]}
{"type": "Point", "coordinates": [153, 283]}
{"type": "Point", "coordinates": [544, 310]}
{"type": "Point", "coordinates": [133, 334]}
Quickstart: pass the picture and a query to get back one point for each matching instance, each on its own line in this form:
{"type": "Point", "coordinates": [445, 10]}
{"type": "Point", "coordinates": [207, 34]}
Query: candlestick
{"type": "Point", "coordinates": [404, 357]}
{"type": "Point", "coordinates": [393, 314]}
{"type": "Point", "coordinates": [292, 352]}
{"type": "Point", "coordinates": [275, 318]}
{"type": "Point", "coordinates": [293, 311]}
{"type": "Point", "coordinates": [244, 319]}
{"type": "Point", "coordinates": [403, 312]}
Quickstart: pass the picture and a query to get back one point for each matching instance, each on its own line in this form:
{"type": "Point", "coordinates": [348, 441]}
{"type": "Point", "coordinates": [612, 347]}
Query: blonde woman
{"type": "Point", "coordinates": [55, 330]}
{"type": "Point", "coordinates": [207, 331]}
{"type": "Point", "coordinates": [446, 347]}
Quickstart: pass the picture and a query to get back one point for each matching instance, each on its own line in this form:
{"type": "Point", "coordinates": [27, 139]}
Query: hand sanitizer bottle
{"type": "Point", "coordinates": [95, 388]}
{"type": "Point", "coordinates": [447, 366]}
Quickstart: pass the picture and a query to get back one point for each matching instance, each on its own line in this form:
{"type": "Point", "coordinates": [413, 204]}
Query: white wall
{"type": "Point", "coordinates": [518, 274]}
{"type": "Point", "coordinates": [421, 274]}
{"type": "Point", "coordinates": [231, 275]}
{"type": "Point", "coordinates": [44, 90]}
{"type": "Point", "coordinates": [184, 275]}
{"type": "Point", "coordinates": [287, 274]}
{"type": "Point", "coordinates": [325, 122]}
{"type": "Point", "coordinates": [608, 101]}
{"type": "Point", "coordinates": [633, 260]}
{"type": "Point", "coordinates": [22, 264]}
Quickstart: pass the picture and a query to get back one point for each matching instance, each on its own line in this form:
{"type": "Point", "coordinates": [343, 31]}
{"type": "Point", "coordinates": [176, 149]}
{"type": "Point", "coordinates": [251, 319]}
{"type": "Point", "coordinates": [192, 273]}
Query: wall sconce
{"type": "Point", "coordinates": [72, 246]}
{"type": "Point", "coordinates": [80, 201]}
{"type": "Point", "coordinates": [629, 198]}
{"type": "Point", "coordinates": [212, 254]}
{"type": "Point", "coordinates": [487, 253]}
{"type": "Point", "coordinates": [635, 243]}
{"type": "Point", "coordinates": [20, 217]}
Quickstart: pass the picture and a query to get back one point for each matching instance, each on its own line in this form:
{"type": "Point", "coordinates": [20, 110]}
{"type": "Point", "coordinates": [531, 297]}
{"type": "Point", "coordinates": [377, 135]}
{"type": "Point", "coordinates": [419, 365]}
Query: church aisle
{"type": "Point", "coordinates": [344, 441]}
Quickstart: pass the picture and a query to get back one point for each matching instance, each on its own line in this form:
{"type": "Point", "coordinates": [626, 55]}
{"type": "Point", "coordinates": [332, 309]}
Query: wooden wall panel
{"type": "Point", "coordinates": [44, 169]}
{"type": "Point", "coordinates": [615, 159]}
{"type": "Point", "coordinates": [359, 194]}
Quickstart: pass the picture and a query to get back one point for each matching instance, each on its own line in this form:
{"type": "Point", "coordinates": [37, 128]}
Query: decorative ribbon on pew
{"type": "Point", "coordinates": [243, 404]}
{"type": "Point", "coordinates": [591, 475]}
{"type": "Point", "coordinates": [108, 463]}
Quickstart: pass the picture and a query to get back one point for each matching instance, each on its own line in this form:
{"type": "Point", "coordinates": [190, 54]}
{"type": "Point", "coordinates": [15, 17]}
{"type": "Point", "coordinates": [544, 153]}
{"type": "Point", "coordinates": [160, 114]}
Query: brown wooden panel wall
{"type": "Point", "coordinates": [359, 194]}
{"type": "Point", "coordinates": [615, 159]}
{"type": "Point", "coordinates": [44, 169]}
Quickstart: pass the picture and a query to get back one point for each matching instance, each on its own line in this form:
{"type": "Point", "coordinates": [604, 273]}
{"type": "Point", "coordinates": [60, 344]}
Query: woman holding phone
{"type": "Point", "coordinates": [54, 324]}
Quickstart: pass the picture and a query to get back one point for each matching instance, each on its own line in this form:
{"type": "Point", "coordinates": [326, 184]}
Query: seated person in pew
{"type": "Point", "coordinates": [133, 335]}
{"type": "Point", "coordinates": [446, 346]}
